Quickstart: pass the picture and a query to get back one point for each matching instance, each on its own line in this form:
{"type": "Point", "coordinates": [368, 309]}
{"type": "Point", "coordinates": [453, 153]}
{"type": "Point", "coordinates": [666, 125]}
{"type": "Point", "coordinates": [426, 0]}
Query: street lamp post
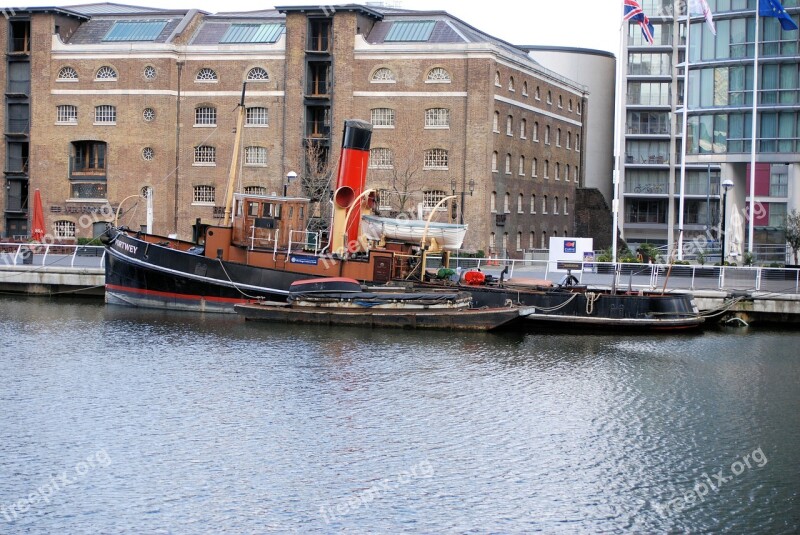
{"type": "Point", "coordinates": [290, 177]}
{"type": "Point", "coordinates": [726, 185]}
{"type": "Point", "coordinates": [471, 185]}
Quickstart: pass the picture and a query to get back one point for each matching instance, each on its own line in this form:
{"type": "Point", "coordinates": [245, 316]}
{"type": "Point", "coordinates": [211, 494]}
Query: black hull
{"type": "Point", "coordinates": [562, 308]}
{"type": "Point", "coordinates": [142, 274]}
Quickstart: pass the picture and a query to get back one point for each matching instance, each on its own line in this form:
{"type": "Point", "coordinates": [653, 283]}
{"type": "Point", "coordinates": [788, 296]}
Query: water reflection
{"type": "Point", "coordinates": [212, 424]}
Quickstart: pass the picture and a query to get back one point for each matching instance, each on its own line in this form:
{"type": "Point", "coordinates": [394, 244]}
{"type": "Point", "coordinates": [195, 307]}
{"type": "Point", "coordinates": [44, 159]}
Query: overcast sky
{"type": "Point", "coordinates": [579, 23]}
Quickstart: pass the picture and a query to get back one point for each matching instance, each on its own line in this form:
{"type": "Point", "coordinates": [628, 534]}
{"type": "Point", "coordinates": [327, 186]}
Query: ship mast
{"type": "Point", "coordinates": [234, 160]}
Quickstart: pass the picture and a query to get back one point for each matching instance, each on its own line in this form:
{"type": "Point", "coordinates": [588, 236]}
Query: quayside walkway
{"type": "Point", "coordinates": [52, 269]}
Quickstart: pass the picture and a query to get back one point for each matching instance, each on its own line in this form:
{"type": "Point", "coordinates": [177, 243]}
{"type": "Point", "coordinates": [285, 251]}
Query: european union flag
{"type": "Point", "coordinates": [773, 8]}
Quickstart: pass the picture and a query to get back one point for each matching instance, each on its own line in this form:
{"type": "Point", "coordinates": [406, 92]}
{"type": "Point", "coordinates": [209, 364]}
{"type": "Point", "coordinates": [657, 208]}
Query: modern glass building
{"type": "Point", "coordinates": [718, 133]}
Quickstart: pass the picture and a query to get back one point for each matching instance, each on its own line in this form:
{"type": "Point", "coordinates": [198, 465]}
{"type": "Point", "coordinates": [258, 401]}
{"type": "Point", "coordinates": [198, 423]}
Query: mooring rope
{"type": "Point", "coordinates": [591, 298]}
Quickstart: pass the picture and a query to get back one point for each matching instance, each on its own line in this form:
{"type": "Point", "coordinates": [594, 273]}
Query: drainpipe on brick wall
{"type": "Point", "coordinates": [177, 147]}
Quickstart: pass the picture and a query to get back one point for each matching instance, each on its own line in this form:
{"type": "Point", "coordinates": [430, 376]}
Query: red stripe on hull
{"type": "Point", "coordinates": [172, 295]}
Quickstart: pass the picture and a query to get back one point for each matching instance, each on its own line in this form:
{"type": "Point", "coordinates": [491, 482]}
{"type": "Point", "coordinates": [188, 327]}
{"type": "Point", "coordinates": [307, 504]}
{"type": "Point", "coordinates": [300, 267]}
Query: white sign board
{"type": "Point", "coordinates": [570, 250]}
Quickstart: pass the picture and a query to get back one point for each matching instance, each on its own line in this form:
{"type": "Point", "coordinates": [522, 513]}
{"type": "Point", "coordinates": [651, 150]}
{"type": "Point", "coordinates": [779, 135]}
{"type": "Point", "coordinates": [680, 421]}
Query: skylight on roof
{"type": "Point", "coordinates": [252, 33]}
{"type": "Point", "coordinates": [417, 30]}
{"type": "Point", "coordinates": [135, 30]}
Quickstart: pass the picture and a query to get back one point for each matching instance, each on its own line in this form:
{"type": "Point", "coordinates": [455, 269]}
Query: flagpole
{"type": "Point", "coordinates": [753, 143]}
{"type": "Point", "coordinates": [684, 129]}
{"type": "Point", "coordinates": [618, 131]}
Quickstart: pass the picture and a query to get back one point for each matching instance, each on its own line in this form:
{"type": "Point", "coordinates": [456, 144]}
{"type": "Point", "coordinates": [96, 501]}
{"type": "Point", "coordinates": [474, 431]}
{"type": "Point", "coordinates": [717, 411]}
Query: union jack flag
{"type": "Point", "coordinates": [633, 11]}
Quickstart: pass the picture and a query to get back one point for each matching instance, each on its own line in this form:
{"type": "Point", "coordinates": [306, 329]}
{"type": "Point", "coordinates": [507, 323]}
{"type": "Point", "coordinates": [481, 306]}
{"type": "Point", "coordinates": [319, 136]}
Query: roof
{"type": "Point", "coordinates": [99, 30]}
{"type": "Point", "coordinates": [234, 28]}
{"type": "Point", "coordinates": [110, 8]}
{"type": "Point", "coordinates": [329, 9]}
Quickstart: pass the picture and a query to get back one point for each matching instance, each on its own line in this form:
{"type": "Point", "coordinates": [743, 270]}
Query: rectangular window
{"type": "Point", "coordinates": [431, 198]}
{"type": "Point", "coordinates": [382, 117]}
{"type": "Point", "coordinates": [205, 116]}
{"type": "Point", "coordinates": [67, 114]}
{"type": "Point", "coordinates": [779, 181]}
{"type": "Point", "coordinates": [204, 195]}
{"type": "Point", "coordinates": [205, 155]}
{"type": "Point", "coordinates": [777, 214]}
{"type": "Point", "coordinates": [257, 117]}
{"type": "Point", "coordinates": [381, 158]}
{"type": "Point", "coordinates": [437, 118]}
{"type": "Point", "coordinates": [255, 156]}
{"type": "Point", "coordinates": [435, 159]}
{"type": "Point", "coordinates": [105, 114]}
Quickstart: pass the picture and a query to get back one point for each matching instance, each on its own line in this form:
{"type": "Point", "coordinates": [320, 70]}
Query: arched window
{"type": "Point", "coordinates": [491, 243]}
{"type": "Point", "coordinates": [537, 94]}
{"type": "Point", "coordinates": [382, 75]}
{"type": "Point", "coordinates": [511, 83]}
{"type": "Point", "coordinates": [547, 135]}
{"type": "Point", "coordinates": [508, 164]}
{"type": "Point", "coordinates": [519, 241]}
{"type": "Point", "coordinates": [569, 140]}
{"type": "Point", "coordinates": [558, 171]}
{"type": "Point", "coordinates": [105, 73]}
{"type": "Point", "coordinates": [505, 241]}
{"type": "Point", "coordinates": [510, 126]}
{"type": "Point", "coordinates": [547, 168]}
{"type": "Point", "coordinates": [560, 101]}
{"type": "Point", "coordinates": [578, 142]}
{"type": "Point", "coordinates": [558, 137]}
{"type": "Point", "coordinates": [575, 174]}
{"type": "Point", "coordinates": [534, 166]}
{"type": "Point", "coordinates": [536, 131]}
{"type": "Point", "coordinates": [544, 204]}
{"type": "Point", "coordinates": [566, 173]}
{"type": "Point", "coordinates": [533, 204]}
{"type": "Point", "coordinates": [507, 203]}
{"type": "Point", "coordinates": [67, 74]}
{"type": "Point", "coordinates": [521, 170]}
{"type": "Point", "coordinates": [496, 122]}
{"type": "Point", "coordinates": [497, 78]}
{"type": "Point", "coordinates": [570, 105]}
{"type": "Point", "coordinates": [257, 74]}
{"type": "Point", "coordinates": [525, 89]}
{"type": "Point", "coordinates": [578, 108]}
{"type": "Point", "coordinates": [523, 127]}
{"type": "Point", "coordinates": [206, 74]}
{"type": "Point", "coordinates": [520, 202]}
{"type": "Point", "coordinates": [493, 202]}
{"type": "Point", "coordinates": [532, 240]}
{"type": "Point", "coordinates": [544, 240]}
{"type": "Point", "coordinates": [555, 205]}
{"type": "Point", "coordinates": [438, 75]}
{"type": "Point", "coordinates": [494, 162]}
{"type": "Point", "coordinates": [435, 159]}
{"type": "Point", "coordinates": [549, 97]}
{"type": "Point", "coordinates": [566, 205]}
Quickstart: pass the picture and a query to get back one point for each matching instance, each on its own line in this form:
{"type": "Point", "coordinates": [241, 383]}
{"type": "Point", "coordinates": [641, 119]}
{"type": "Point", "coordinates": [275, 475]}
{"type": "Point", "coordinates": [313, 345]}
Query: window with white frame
{"type": "Point", "coordinates": [204, 195]}
{"type": "Point", "coordinates": [205, 116]}
{"type": "Point", "coordinates": [496, 122]}
{"type": "Point", "coordinates": [510, 126]}
{"type": "Point", "coordinates": [507, 203]}
{"type": "Point", "coordinates": [63, 229]}
{"type": "Point", "coordinates": [206, 74]}
{"type": "Point", "coordinates": [255, 155]}
{"type": "Point", "coordinates": [536, 131]}
{"type": "Point", "coordinates": [257, 74]}
{"type": "Point", "coordinates": [384, 200]}
{"type": "Point", "coordinates": [435, 159]}
{"type": "Point", "coordinates": [566, 173]}
{"type": "Point", "coordinates": [524, 89]}
{"type": "Point", "coordinates": [431, 198]}
{"type": "Point", "coordinates": [67, 74]}
{"type": "Point", "coordinates": [382, 117]}
{"type": "Point", "coordinates": [437, 118]}
{"type": "Point", "coordinates": [520, 203]}
{"type": "Point", "coordinates": [508, 164]}
{"type": "Point", "coordinates": [533, 203]}
{"type": "Point", "coordinates": [521, 169]}
{"type": "Point", "coordinates": [67, 114]}
{"type": "Point", "coordinates": [255, 190]}
{"type": "Point", "coordinates": [438, 75]}
{"type": "Point", "coordinates": [511, 83]}
{"type": "Point", "coordinates": [494, 162]}
{"type": "Point", "coordinates": [257, 116]}
{"type": "Point", "coordinates": [497, 79]}
{"type": "Point", "coordinates": [382, 75]}
{"type": "Point", "coordinates": [205, 155]}
{"type": "Point", "coordinates": [493, 202]}
{"type": "Point", "coordinates": [534, 166]}
{"type": "Point", "coordinates": [523, 126]}
{"type": "Point", "coordinates": [381, 158]}
{"type": "Point", "coordinates": [105, 114]}
{"type": "Point", "coordinates": [105, 73]}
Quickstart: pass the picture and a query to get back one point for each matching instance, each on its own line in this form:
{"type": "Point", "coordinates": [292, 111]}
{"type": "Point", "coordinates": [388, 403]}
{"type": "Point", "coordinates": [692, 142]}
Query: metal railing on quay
{"type": "Point", "coordinates": [52, 255]}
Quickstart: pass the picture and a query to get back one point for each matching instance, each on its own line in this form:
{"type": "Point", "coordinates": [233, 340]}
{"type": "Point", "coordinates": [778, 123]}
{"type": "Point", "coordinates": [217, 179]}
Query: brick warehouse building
{"type": "Point", "coordinates": [105, 103]}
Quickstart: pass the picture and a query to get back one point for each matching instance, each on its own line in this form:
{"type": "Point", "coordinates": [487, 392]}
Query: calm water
{"type": "Point", "coordinates": [127, 421]}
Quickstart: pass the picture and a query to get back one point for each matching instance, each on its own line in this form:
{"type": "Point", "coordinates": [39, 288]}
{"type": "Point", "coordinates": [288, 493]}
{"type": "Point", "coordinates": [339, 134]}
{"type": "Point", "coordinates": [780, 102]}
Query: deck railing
{"type": "Point", "coordinates": [39, 255]}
